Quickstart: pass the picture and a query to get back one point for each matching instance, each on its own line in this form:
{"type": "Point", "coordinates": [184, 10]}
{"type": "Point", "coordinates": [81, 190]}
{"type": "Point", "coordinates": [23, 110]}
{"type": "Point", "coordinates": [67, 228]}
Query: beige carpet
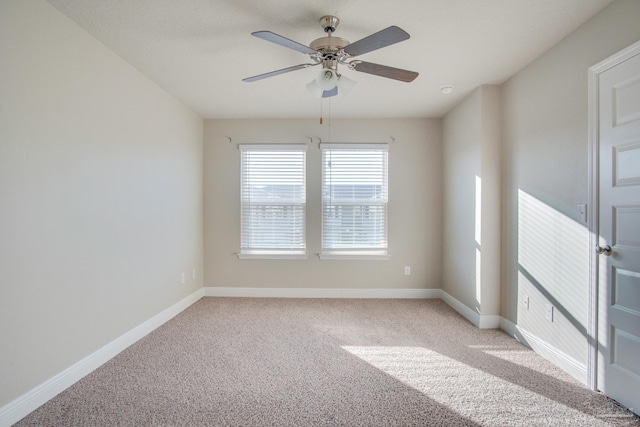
{"type": "Point", "coordinates": [321, 362]}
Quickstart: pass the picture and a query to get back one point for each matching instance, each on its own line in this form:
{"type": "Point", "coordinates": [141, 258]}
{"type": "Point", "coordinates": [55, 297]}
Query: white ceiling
{"type": "Point", "coordinates": [199, 50]}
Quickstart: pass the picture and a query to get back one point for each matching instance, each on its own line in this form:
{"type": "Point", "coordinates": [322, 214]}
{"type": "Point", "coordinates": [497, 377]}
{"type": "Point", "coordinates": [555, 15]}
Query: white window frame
{"type": "Point", "coordinates": [331, 251]}
{"type": "Point", "coordinates": [277, 251]}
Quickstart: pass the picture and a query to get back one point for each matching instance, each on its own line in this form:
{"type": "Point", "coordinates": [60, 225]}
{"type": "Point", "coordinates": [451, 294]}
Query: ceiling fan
{"type": "Point", "coordinates": [332, 51]}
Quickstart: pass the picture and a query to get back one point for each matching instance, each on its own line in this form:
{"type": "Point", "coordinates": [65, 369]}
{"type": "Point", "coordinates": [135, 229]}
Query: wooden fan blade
{"type": "Point", "coordinates": [385, 71]}
{"type": "Point", "coordinates": [283, 41]}
{"type": "Point", "coordinates": [382, 38]}
{"type": "Point", "coordinates": [275, 73]}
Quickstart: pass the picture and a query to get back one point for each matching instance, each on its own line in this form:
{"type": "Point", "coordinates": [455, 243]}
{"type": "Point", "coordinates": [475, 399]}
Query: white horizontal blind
{"type": "Point", "coordinates": [354, 197]}
{"type": "Point", "coordinates": [273, 198]}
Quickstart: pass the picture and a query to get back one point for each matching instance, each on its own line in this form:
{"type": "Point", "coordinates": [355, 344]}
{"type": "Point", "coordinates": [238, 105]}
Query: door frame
{"type": "Point", "coordinates": [594, 201]}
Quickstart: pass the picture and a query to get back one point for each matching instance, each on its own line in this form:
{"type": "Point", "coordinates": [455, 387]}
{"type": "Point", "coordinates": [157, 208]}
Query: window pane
{"type": "Point", "coordinates": [273, 198]}
{"type": "Point", "coordinates": [354, 198]}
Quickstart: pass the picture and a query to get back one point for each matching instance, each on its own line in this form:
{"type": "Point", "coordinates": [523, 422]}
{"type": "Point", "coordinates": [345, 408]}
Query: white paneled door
{"type": "Point", "coordinates": [619, 232]}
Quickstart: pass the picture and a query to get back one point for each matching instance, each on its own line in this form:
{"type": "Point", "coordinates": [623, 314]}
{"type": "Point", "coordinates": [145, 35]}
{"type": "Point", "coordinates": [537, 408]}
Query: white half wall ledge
{"type": "Point", "coordinates": [19, 408]}
{"type": "Point", "coordinates": [256, 292]}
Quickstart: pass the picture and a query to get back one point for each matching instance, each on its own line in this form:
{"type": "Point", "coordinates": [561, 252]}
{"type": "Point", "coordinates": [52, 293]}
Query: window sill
{"type": "Point", "coordinates": [354, 256]}
{"type": "Point", "coordinates": [272, 255]}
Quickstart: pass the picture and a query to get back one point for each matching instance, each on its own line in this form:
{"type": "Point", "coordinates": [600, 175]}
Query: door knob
{"type": "Point", "coordinates": [603, 250]}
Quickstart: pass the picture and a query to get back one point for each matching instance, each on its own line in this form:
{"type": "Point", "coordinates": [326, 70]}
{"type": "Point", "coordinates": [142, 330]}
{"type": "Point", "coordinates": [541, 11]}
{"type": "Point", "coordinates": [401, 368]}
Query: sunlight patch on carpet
{"type": "Point", "coordinates": [469, 391]}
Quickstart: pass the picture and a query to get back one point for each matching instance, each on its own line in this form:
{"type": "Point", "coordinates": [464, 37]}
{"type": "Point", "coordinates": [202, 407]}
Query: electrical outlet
{"type": "Point", "coordinates": [194, 273]}
{"type": "Point", "coordinates": [184, 278]}
{"type": "Point", "coordinates": [582, 213]}
{"type": "Point", "coordinates": [525, 302]}
{"type": "Point", "coordinates": [407, 270]}
{"type": "Point", "coordinates": [548, 313]}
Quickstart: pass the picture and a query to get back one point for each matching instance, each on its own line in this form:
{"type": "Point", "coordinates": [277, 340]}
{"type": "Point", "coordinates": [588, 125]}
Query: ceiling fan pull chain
{"type": "Point", "coordinates": [330, 120]}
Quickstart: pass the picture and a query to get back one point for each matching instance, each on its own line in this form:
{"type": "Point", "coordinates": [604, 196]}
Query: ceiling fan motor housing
{"type": "Point", "coordinates": [329, 44]}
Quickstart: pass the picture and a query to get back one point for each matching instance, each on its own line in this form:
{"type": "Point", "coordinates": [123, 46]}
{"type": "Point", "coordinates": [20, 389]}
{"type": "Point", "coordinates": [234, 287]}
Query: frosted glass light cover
{"type": "Point", "coordinates": [314, 89]}
{"type": "Point", "coordinates": [327, 79]}
{"type": "Point", "coordinates": [345, 84]}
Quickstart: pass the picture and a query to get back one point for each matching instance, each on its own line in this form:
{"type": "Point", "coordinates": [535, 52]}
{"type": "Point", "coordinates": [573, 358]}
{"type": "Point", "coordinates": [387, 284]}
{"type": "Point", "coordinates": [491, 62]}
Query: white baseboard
{"type": "Point", "coordinates": [489, 322]}
{"type": "Point", "coordinates": [19, 408]}
{"type": "Point", "coordinates": [321, 293]}
{"type": "Point", "coordinates": [510, 328]}
{"type": "Point", "coordinates": [562, 360]}
{"type": "Point", "coordinates": [482, 322]}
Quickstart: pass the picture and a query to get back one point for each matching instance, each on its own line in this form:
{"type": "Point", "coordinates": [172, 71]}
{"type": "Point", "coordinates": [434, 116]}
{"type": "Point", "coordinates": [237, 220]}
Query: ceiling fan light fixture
{"type": "Point", "coordinates": [327, 79]}
{"type": "Point", "coordinates": [314, 89]}
{"type": "Point", "coordinates": [323, 85]}
{"type": "Point", "coordinates": [345, 85]}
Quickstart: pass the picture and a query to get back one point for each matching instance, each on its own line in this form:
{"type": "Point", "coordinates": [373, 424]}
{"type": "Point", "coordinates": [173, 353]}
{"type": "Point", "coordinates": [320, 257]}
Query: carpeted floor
{"type": "Point", "coordinates": [327, 362]}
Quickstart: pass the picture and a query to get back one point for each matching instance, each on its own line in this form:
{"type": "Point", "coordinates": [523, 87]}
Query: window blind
{"type": "Point", "coordinates": [273, 198]}
{"type": "Point", "coordinates": [354, 197]}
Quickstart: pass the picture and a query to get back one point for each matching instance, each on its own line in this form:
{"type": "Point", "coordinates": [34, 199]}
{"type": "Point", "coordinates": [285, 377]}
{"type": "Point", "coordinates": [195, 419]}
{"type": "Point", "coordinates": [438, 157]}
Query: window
{"type": "Point", "coordinates": [273, 201]}
{"type": "Point", "coordinates": [354, 200]}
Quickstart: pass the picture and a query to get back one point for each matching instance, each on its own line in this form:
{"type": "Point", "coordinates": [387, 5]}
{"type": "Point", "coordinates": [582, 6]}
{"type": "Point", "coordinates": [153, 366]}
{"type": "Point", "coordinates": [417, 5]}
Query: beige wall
{"type": "Point", "coordinates": [462, 147]}
{"type": "Point", "coordinates": [100, 196]}
{"type": "Point", "coordinates": [415, 185]}
{"type": "Point", "coordinates": [545, 247]}
{"type": "Point", "coordinates": [471, 206]}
